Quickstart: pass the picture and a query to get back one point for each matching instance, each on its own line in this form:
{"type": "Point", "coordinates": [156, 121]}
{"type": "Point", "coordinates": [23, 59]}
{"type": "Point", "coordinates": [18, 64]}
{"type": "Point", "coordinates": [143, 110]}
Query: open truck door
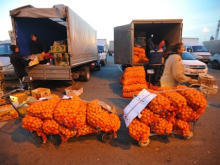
{"type": "Point", "coordinates": [123, 45]}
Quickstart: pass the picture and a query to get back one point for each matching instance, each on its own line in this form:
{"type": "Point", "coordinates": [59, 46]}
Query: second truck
{"type": "Point", "coordinates": [138, 32]}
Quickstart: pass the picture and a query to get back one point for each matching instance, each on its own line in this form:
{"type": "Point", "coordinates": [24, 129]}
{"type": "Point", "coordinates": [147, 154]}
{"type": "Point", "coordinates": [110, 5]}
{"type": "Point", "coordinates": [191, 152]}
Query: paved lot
{"type": "Point", "coordinates": [19, 146]}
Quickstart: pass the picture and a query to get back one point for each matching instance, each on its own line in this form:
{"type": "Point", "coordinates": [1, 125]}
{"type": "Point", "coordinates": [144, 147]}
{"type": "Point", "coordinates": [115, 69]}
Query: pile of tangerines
{"type": "Point", "coordinates": [171, 110]}
{"type": "Point", "coordinates": [68, 118]}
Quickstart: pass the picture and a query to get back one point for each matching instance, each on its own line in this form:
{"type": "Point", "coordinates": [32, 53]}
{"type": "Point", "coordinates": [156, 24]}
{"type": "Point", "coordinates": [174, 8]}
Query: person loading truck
{"type": "Point", "coordinates": [155, 59]}
{"type": "Point", "coordinates": [19, 63]}
{"type": "Point", "coordinates": [38, 45]}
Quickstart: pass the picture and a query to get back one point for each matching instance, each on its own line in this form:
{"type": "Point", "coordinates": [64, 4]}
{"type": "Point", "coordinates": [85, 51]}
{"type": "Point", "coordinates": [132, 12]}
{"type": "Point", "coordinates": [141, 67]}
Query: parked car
{"type": "Point", "coordinates": [5, 66]}
{"type": "Point", "coordinates": [199, 51]}
{"type": "Point", "coordinates": [215, 61]}
{"type": "Point", "coordinates": [192, 66]}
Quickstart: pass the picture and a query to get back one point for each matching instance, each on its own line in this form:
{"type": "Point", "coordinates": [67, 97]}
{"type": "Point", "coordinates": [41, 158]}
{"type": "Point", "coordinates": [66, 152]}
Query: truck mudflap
{"type": "Point", "coordinates": [49, 72]}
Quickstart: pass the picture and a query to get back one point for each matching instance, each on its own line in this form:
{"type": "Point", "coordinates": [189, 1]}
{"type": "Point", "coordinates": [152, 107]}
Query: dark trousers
{"type": "Point", "coordinates": [20, 75]}
{"type": "Point", "coordinates": [155, 77]}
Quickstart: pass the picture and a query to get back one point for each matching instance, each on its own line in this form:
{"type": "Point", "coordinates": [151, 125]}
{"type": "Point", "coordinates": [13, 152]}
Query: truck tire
{"type": "Point", "coordinates": [215, 64]}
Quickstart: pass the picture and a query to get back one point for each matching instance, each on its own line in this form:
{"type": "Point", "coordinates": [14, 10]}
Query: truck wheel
{"type": "Point", "coordinates": [215, 64]}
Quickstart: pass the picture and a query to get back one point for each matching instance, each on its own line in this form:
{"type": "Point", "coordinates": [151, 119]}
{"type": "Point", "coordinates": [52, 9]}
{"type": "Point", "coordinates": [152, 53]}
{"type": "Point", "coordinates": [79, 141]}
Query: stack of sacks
{"type": "Point", "coordinates": [133, 81]}
{"type": "Point", "coordinates": [139, 55]}
{"type": "Point", "coordinates": [69, 117]}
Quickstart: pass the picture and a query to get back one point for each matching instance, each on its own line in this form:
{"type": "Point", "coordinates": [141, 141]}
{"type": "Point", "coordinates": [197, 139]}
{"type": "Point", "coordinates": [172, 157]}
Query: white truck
{"type": "Point", "coordinates": [190, 40]}
{"type": "Point", "coordinates": [103, 50]}
{"type": "Point", "coordinates": [58, 23]}
{"type": "Point", "coordinates": [111, 48]}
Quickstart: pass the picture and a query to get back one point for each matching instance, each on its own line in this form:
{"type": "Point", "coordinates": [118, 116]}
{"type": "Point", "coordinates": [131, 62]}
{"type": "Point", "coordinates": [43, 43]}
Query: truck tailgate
{"type": "Point", "coordinates": [49, 72]}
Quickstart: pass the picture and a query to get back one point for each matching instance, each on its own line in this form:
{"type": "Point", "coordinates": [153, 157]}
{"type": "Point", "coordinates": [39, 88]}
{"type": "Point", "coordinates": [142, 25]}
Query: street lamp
{"type": "Point", "coordinates": [205, 30]}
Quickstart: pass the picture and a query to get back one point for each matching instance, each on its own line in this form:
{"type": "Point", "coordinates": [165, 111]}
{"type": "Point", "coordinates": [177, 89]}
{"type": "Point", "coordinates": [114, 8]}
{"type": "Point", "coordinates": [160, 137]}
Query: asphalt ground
{"type": "Point", "coordinates": [21, 147]}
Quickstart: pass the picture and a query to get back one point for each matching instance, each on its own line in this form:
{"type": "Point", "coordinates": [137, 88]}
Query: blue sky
{"type": "Point", "coordinates": [104, 15]}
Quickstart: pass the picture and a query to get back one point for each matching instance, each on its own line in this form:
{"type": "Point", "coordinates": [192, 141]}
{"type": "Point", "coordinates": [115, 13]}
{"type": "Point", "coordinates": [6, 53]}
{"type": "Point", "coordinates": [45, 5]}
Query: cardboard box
{"type": "Point", "coordinates": [206, 79]}
{"type": "Point", "coordinates": [40, 92]}
{"type": "Point", "coordinates": [76, 90]}
{"type": "Point", "coordinates": [7, 112]}
{"type": "Point", "coordinates": [19, 97]}
{"type": "Point", "coordinates": [208, 90]}
{"type": "Point", "coordinates": [61, 59]}
{"type": "Point", "coordinates": [58, 49]}
{"type": "Point", "coordinates": [56, 43]}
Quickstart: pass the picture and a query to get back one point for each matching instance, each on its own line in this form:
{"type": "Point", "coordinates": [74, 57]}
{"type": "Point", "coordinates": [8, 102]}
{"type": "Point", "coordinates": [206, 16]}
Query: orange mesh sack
{"type": "Point", "coordinates": [130, 94]}
{"type": "Point", "coordinates": [85, 130]}
{"type": "Point", "coordinates": [194, 98]}
{"type": "Point", "coordinates": [32, 123]}
{"type": "Point", "coordinates": [181, 127]}
{"type": "Point", "coordinates": [133, 81]}
{"type": "Point", "coordinates": [71, 113]}
{"type": "Point", "coordinates": [101, 119]}
{"type": "Point", "coordinates": [43, 109]}
{"type": "Point", "coordinates": [158, 103]}
{"type": "Point", "coordinates": [50, 127]}
{"type": "Point", "coordinates": [187, 114]}
{"type": "Point", "coordinates": [134, 87]}
{"type": "Point", "coordinates": [176, 100]}
{"type": "Point", "coordinates": [139, 131]}
{"type": "Point", "coordinates": [66, 133]}
{"type": "Point", "coordinates": [135, 71]}
{"type": "Point", "coordinates": [162, 127]}
{"type": "Point", "coordinates": [148, 117]}
{"type": "Point", "coordinates": [135, 58]}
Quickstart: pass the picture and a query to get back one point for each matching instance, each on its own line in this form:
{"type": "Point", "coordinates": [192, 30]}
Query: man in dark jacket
{"type": "Point", "coordinates": [38, 45]}
{"type": "Point", "coordinates": [18, 62]}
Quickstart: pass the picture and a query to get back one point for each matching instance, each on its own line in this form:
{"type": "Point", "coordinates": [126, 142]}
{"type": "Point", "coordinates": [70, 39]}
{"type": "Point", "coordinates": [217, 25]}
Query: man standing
{"type": "Point", "coordinates": [155, 60]}
{"type": "Point", "coordinates": [38, 45]}
{"type": "Point", "coordinates": [19, 63]}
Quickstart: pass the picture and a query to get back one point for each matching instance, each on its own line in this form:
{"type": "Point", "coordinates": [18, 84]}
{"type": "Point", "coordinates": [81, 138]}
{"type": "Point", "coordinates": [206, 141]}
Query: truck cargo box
{"type": "Point", "coordinates": [126, 36]}
{"type": "Point", "coordinates": [58, 23]}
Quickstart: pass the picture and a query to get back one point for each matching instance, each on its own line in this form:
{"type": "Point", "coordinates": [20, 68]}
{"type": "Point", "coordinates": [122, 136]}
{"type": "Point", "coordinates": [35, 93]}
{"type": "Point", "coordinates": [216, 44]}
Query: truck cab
{"type": "Point", "coordinates": [199, 51]}
{"type": "Point", "coordinates": [5, 66]}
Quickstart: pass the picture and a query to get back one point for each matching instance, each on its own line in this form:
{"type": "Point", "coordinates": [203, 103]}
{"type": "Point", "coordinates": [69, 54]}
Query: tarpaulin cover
{"type": "Point", "coordinates": [55, 24]}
